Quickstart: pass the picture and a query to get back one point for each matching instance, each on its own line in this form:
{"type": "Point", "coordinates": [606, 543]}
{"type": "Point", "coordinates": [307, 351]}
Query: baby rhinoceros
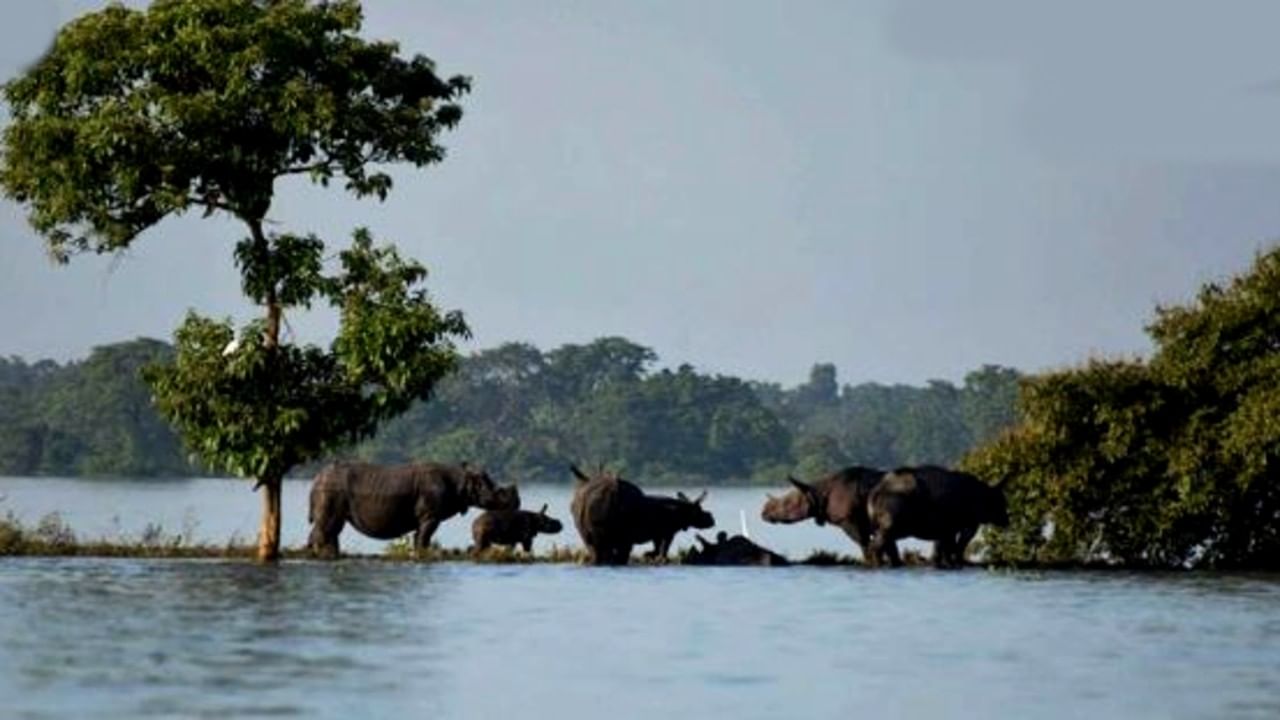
{"type": "Point", "coordinates": [512, 527]}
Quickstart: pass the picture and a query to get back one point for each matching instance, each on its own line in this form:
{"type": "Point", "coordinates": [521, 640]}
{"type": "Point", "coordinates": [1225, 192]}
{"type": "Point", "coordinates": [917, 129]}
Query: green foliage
{"type": "Point", "coordinates": [1169, 462]}
{"type": "Point", "coordinates": [891, 425]}
{"type": "Point", "coordinates": [526, 414]}
{"type": "Point", "coordinates": [133, 115]}
{"type": "Point", "coordinates": [522, 412]}
{"type": "Point", "coordinates": [256, 410]}
{"type": "Point", "coordinates": [92, 417]}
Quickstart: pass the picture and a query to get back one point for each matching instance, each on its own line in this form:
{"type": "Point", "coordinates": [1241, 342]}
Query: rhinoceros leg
{"type": "Point", "coordinates": [527, 544]}
{"type": "Point", "coordinates": [944, 551]}
{"type": "Point", "coordinates": [602, 554]}
{"type": "Point", "coordinates": [622, 554]}
{"type": "Point", "coordinates": [661, 546]}
{"type": "Point", "coordinates": [610, 554]}
{"type": "Point", "coordinates": [422, 537]}
{"type": "Point", "coordinates": [328, 516]}
{"type": "Point", "coordinates": [962, 542]}
{"type": "Point", "coordinates": [883, 545]}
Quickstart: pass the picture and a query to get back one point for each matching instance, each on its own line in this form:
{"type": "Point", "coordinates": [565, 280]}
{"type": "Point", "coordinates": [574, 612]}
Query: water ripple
{"type": "Point", "coordinates": [126, 638]}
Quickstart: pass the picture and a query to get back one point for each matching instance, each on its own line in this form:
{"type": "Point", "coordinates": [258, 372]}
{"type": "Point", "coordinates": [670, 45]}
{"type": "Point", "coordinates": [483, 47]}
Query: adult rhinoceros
{"type": "Point", "coordinates": [387, 502]}
{"type": "Point", "coordinates": [613, 515]}
{"type": "Point", "coordinates": [839, 498]}
{"type": "Point", "coordinates": [932, 503]}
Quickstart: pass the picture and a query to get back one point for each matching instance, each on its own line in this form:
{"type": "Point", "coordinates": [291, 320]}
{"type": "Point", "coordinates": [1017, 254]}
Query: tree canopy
{"type": "Point", "coordinates": [1165, 462]}
{"type": "Point", "coordinates": [133, 115]}
{"type": "Point", "coordinates": [136, 115]}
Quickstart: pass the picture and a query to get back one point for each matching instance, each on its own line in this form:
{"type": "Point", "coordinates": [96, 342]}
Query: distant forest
{"type": "Point", "coordinates": [525, 414]}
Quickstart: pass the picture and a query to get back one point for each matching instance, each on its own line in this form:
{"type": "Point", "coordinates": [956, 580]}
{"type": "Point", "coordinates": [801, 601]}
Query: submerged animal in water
{"type": "Point", "coordinates": [736, 550]}
{"type": "Point", "coordinates": [386, 502]}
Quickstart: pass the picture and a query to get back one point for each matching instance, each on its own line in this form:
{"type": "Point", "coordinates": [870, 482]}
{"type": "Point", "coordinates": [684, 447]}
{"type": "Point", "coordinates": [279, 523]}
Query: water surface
{"type": "Point", "coordinates": [112, 638]}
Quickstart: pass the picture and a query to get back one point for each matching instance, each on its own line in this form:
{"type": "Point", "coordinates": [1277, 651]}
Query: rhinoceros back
{"type": "Point", "coordinates": [381, 502]}
{"type": "Point", "coordinates": [603, 510]}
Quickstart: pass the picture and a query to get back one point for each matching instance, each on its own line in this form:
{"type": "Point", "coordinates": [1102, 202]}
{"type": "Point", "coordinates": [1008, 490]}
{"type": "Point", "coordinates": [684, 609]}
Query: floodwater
{"type": "Point", "coordinates": [361, 638]}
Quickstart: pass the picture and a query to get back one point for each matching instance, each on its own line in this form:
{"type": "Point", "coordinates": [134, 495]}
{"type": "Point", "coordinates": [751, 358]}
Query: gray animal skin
{"type": "Point", "coordinates": [839, 498]}
{"type": "Point", "coordinates": [601, 507]}
{"type": "Point", "coordinates": [660, 518]}
{"type": "Point", "coordinates": [932, 503]}
{"type": "Point", "coordinates": [387, 502]}
{"type": "Point", "coordinates": [512, 527]}
{"type": "Point", "coordinates": [736, 550]}
{"type": "Point", "coordinates": [613, 515]}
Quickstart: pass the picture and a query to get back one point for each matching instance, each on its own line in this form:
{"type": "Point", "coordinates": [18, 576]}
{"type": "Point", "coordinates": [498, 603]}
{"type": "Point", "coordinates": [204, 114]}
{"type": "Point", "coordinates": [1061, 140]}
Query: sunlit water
{"type": "Point", "coordinates": [363, 639]}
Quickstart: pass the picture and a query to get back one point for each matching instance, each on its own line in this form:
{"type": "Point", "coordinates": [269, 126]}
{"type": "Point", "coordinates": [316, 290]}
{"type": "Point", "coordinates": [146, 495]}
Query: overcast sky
{"type": "Point", "coordinates": [905, 189]}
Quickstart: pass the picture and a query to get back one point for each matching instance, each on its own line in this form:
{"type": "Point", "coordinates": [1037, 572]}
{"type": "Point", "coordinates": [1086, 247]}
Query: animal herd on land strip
{"type": "Point", "coordinates": [873, 507]}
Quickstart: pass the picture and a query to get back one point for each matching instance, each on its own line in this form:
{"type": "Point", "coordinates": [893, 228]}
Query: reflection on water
{"type": "Point", "coordinates": [126, 638]}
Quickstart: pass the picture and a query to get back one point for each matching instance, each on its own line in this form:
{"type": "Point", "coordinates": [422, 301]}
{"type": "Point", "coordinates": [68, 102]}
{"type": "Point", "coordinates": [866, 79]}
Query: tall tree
{"type": "Point", "coordinates": [136, 115]}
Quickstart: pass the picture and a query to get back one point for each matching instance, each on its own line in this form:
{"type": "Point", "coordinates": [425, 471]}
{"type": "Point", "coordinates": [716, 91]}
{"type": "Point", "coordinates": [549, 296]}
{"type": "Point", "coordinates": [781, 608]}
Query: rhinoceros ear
{"type": "Point", "coordinates": [681, 496]}
{"type": "Point", "coordinates": [698, 500]}
{"type": "Point", "coordinates": [802, 487]}
{"type": "Point", "coordinates": [578, 473]}
{"type": "Point", "coordinates": [543, 511]}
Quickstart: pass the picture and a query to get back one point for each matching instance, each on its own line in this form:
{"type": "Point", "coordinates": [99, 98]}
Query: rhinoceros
{"type": "Point", "coordinates": [839, 499]}
{"type": "Point", "coordinates": [387, 502]}
{"type": "Point", "coordinates": [736, 550]}
{"type": "Point", "coordinates": [613, 515]}
{"type": "Point", "coordinates": [512, 527]}
{"type": "Point", "coordinates": [660, 518]}
{"type": "Point", "coordinates": [932, 503]}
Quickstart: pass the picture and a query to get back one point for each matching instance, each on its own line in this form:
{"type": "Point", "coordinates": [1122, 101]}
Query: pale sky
{"type": "Point", "coordinates": [905, 189]}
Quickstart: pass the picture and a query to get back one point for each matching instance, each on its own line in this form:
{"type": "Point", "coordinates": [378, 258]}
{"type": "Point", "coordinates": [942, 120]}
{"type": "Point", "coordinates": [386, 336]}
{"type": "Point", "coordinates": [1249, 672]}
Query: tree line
{"type": "Point", "coordinates": [525, 414]}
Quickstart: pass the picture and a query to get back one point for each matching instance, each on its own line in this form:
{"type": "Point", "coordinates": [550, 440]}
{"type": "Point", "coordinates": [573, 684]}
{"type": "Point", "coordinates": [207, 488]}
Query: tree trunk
{"type": "Point", "coordinates": [269, 533]}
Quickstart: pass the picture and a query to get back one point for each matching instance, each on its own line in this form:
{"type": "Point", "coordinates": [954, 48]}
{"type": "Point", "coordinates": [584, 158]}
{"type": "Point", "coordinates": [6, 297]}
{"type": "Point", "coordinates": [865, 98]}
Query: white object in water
{"type": "Point", "coordinates": [742, 515]}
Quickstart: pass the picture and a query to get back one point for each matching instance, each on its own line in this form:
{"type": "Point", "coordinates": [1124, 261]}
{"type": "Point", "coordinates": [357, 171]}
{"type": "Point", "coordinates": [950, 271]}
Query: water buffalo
{"type": "Point", "coordinates": [839, 499]}
{"type": "Point", "coordinates": [736, 550]}
{"type": "Point", "coordinates": [613, 515]}
{"type": "Point", "coordinates": [932, 503]}
{"type": "Point", "coordinates": [387, 502]}
{"type": "Point", "coordinates": [512, 527]}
